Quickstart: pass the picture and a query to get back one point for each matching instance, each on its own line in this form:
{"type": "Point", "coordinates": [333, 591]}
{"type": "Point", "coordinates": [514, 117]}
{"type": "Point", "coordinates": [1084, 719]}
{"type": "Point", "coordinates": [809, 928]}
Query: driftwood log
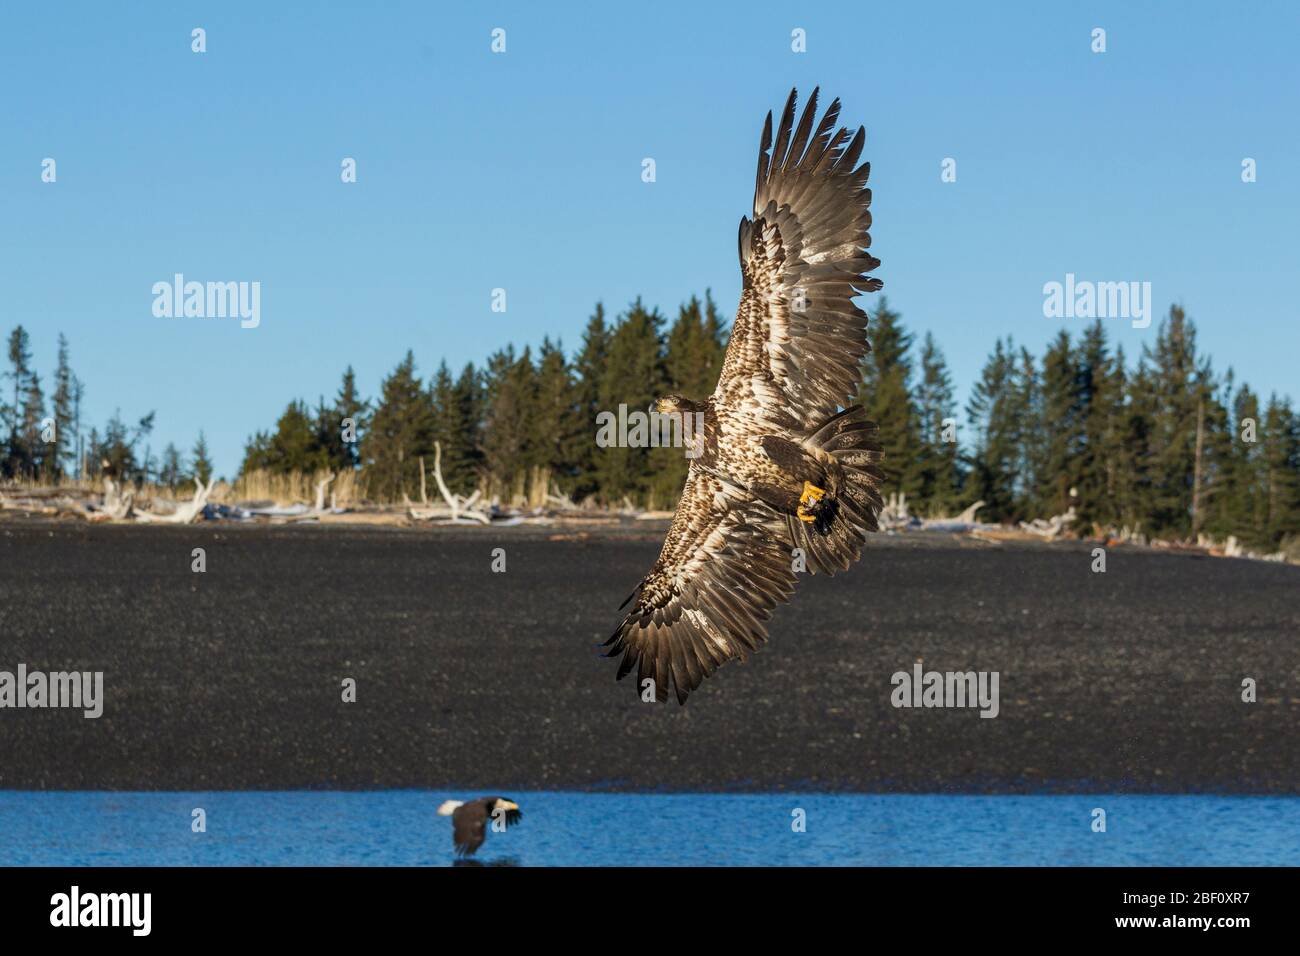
{"type": "Point", "coordinates": [118, 505]}
{"type": "Point", "coordinates": [185, 513]}
{"type": "Point", "coordinates": [457, 510]}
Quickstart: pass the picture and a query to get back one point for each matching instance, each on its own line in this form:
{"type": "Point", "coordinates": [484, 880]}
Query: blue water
{"type": "Point", "coordinates": [585, 829]}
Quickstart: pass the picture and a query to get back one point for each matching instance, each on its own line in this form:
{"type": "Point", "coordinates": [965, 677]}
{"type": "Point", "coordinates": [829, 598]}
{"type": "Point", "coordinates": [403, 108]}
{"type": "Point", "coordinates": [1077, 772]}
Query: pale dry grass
{"type": "Point", "coordinates": [348, 488]}
{"type": "Point", "coordinates": [527, 489]}
{"type": "Point", "coordinates": [27, 485]}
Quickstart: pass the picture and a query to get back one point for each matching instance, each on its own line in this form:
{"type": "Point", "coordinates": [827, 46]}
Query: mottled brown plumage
{"type": "Point", "coordinates": [784, 464]}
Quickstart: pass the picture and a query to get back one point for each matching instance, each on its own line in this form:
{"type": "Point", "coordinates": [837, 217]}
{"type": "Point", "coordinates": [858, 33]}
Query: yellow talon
{"type": "Point", "coordinates": [811, 494]}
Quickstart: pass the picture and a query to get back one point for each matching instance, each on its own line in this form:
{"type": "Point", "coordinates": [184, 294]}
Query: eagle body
{"type": "Point", "coordinates": [726, 453]}
{"type": "Point", "coordinates": [470, 820]}
{"type": "Point", "coordinates": [785, 474]}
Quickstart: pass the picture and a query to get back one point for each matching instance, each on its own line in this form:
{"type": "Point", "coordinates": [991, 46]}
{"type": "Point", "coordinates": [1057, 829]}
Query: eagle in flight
{"type": "Point", "coordinates": [784, 462]}
{"type": "Point", "coordinates": [469, 820]}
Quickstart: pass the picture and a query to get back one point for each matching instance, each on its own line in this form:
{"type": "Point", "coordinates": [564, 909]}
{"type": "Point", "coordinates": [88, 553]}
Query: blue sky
{"type": "Point", "coordinates": [523, 171]}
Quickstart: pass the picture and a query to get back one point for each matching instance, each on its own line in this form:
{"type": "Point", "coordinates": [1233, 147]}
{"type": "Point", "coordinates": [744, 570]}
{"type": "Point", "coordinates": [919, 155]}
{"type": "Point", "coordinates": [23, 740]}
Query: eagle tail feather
{"type": "Point", "coordinates": [834, 541]}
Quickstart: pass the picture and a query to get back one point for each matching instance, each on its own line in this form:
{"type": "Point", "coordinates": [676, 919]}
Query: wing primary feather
{"type": "Point", "coordinates": [764, 145]}
{"type": "Point", "coordinates": [783, 132]}
{"type": "Point", "coordinates": [849, 158]}
{"type": "Point", "coordinates": [800, 142]}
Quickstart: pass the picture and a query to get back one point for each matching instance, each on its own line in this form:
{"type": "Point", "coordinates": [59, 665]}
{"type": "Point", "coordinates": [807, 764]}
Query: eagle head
{"type": "Point", "coordinates": [675, 405]}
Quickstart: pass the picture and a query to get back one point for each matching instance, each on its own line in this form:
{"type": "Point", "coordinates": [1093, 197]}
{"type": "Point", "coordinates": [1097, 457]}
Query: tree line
{"type": "Point", "coordinates": [48, 442]}
{"type": "Point", "coordinates": [1165, 445]}
{"type": "Point", "coordinates": [519, 426]}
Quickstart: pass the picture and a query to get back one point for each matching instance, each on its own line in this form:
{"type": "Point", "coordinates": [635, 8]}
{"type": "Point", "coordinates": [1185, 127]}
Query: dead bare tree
{"type": "Point", "coordinates": [118, 505]}
{"type": "Point", "coordinates": [457, 508]}
{"type": "Point", "coordinates": [320, 491]}
{"type": "Point", "coordinates": [185, 513]}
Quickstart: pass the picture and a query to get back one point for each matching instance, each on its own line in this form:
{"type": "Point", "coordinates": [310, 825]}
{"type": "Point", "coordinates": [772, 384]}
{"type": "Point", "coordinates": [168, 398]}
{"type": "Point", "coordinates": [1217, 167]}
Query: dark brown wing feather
{"type": "Point", "coordinates": [799, 340]}
{"type": "Point", "coordinates": [724, 565]}
{"type": "Point", "coordinates": [468, 827]}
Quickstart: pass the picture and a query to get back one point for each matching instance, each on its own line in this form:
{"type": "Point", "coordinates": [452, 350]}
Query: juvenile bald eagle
{"type": "Point", "coordinates": [469, 820]}
{"type": "Point", "coordinates": [783, 463]}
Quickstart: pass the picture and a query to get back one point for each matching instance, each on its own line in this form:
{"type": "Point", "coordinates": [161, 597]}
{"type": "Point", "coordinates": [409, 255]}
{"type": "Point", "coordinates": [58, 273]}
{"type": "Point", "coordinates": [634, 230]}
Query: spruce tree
{"type": "Point", "coordinates": [296, 444]}
{"type": "Point", "coordinates": [1281, 474]}
{"type": "Point", "coordinates": [994, 419]}
{"type": "Point", "coordinates": [589, 370]}
{"type": "Point", "coordinates": [148, 466]}
{"type": "Point", "coordinates": [400, 432]}
{"type": "Point", "coordinates": [257, 453]}
{"type": "Point", "coordinates": [300, 444]}
{"type": "Point", "coordinates": [78, 393]}
{"type": "Point", "coordinates": [1100, 410]}
{"type": "Point", "coordinates": [1054, 431]}
{"type": "Point", "coordinates": [886, 394]}
{"type": "Point", "coordinates": [1240, 505]}
{"type": "Point", "coordinates": [556, 423]}
{"type": "Point", "coordinates": [1214, 474]}
{"type": "Point", "coordinates": [349, 409]}
{"type": "Point", "coordinates": [442, 401]}
{"type": "Point", "coordinates": [18, 456]}
{"type": "Point", "coordinates": [200, 463]}
{"type": "Point", "coordinates": [1024, 408]}
{"type": "Point", "coordinates": [327, 438]}
{"type": "Point", "coordinates": [1137, 471]}
{"type": "Point", "coordinates": [939, 475]}
{"type": "Point", "coordinates": [63, 451]}
{"type": "Point", "coordinates": [116, 450]}
{"type": "Point", "coordinates": [38, 451]}
{"type": "Point", "coordinates": [1179, 379]}
{"type": "Point", "coordinates": [171, 470]}
{"type": "Point", "coordinates": [633, 377]}
{"type": "Point", "coordinates": [507, 430]}
{"type": "Point", "coordinates": [462, 462]}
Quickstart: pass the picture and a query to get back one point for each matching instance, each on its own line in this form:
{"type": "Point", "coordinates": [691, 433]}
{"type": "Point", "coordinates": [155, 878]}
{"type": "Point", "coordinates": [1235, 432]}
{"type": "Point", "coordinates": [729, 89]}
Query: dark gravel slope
{"type": "Point", "coordinates": [1124, 681]}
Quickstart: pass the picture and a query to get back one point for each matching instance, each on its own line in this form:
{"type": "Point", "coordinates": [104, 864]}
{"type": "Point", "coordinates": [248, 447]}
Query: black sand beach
{"type": "Point", "coordinates": [1128, 681]}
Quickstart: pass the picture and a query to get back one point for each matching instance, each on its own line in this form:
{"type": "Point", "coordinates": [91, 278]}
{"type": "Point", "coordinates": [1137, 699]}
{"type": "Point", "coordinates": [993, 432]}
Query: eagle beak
{"type": "Point", "coordinates": [509, 805]}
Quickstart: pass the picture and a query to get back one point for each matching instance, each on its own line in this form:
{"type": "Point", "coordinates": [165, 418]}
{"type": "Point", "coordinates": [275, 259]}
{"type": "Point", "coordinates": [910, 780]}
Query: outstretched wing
{"type": "Point", "coordinates": [468, 831]}
{"type": "Point", "coordinates": [798, 339]}
{"type": "Point", "coordinates": [508, 817]}
{"type": "Point", "coordinates": [724, 566]}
